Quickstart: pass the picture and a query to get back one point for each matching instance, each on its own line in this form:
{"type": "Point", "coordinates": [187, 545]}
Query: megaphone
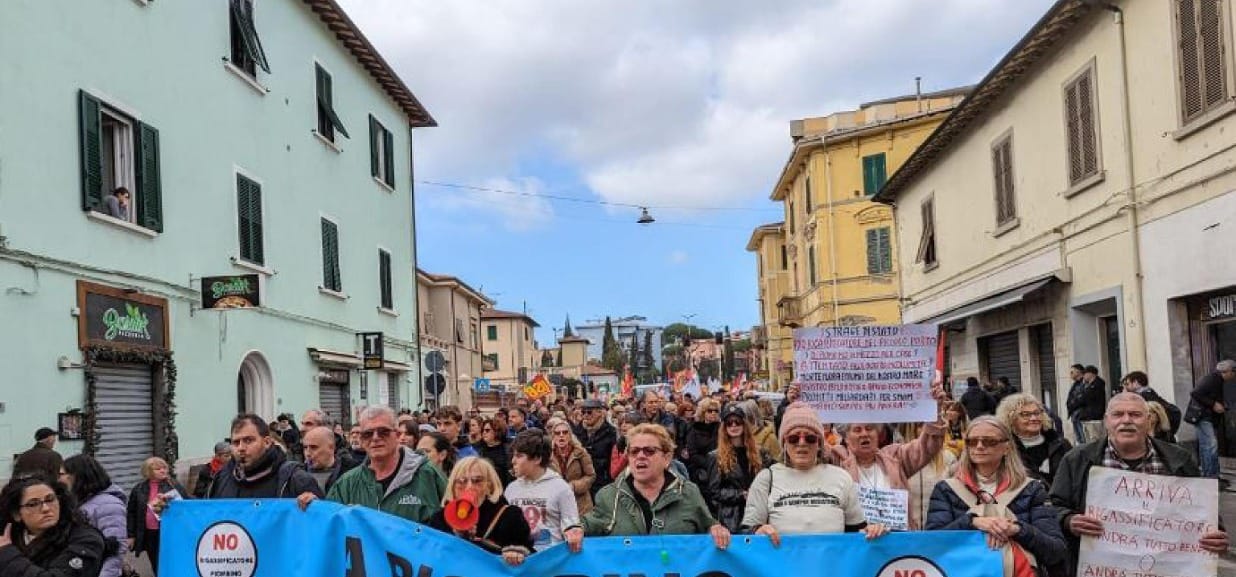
{"type": "Point", "coordinates": [462, 512]}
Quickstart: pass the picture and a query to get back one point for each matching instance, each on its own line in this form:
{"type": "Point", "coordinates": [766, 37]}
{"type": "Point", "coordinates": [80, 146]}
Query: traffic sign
{"type": "Point", "coordinates": [435, 384]}
{"type": "Point", "coordinates": [434, 361]}
{"type": "Point", "coordinates": [481, 385]}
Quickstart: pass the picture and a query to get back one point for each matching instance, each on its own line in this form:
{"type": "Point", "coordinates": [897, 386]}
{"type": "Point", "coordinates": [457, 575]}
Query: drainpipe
{"type": "Point", "coordinates": [832, 230]}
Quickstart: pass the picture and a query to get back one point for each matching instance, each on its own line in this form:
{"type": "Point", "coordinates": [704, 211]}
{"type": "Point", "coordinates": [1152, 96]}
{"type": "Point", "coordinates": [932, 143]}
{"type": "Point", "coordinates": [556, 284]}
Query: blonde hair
{"type": "Point", "coordinates": [1159, 415]}
{"type": "Point", "coordinates": [667, 441]}
{"type": "Point", "coordinates": [467, 465]}
{"type": "Point", "coordinates": [1011, 467]}
{"type": "Point", "coordinates": [553, 423]}
{"type": "Point", "coordinates": [148, 467]}
{"type": "Point", "coordinates": [705, 404]}
{"type": "Point", "coordinates": [1012, 404]}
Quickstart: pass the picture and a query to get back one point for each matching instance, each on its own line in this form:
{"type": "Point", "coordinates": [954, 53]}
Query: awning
{"type": "Point", "coordinates": [993, 302]}
{"type": "Point", "coordinates": [389, 365]}
{"type": "Point", "coordinates": [327, 357]}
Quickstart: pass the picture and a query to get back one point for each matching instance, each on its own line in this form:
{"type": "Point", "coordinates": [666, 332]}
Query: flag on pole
{"type": "Point", "coordinates": [628, 384]}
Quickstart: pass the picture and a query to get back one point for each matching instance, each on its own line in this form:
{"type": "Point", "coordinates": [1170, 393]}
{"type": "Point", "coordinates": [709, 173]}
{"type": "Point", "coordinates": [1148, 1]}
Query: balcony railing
{"type": "Point", "coordinates": [789, 312]}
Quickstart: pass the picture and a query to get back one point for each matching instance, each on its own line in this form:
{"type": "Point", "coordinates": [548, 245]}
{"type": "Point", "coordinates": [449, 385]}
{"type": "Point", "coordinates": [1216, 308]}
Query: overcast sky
{"type": "Point", "coordinates": [680, 105]}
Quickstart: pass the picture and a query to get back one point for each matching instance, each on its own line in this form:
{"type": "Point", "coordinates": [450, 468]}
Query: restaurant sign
{"type": "Point", "coordinates": [117, 317]}
{"type": "Point", "coordinates": [231, 292]}
{"type": "Point", "coordinates": [1220, 307]}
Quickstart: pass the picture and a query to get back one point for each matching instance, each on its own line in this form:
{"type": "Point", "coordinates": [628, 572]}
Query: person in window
{"type": "Point", "coordinates": [117, 203]}
{"type": "Point", "coordinates": [44, 534]}
{"type": "Point", "coordinates": [500, 527]}
{"type": "Point", "coordinates": [1041, 447]}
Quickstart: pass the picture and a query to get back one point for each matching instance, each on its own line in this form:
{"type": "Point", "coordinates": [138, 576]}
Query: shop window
{"type": "Point", "coordinates": [246, 47]}
{"type": "Point", "coordinates": [120, 165]}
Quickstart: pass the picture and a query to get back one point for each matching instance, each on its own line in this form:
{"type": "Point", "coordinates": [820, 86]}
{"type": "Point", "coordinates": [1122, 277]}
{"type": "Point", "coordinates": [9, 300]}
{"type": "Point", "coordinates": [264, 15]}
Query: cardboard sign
{"type": "Point", "coordinates": [886, 506]}
{"type": "Point", "coordinates": [239, 291]}
{"type": "Point", "coordinates": [1151, 524]}
{"type": "Point", "coordinates": [870, 374]}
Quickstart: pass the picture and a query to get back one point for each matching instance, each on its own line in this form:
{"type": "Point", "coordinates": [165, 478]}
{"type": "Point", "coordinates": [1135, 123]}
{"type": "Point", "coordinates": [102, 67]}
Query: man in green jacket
{"type": "Point", "coordinates": [393, 479]}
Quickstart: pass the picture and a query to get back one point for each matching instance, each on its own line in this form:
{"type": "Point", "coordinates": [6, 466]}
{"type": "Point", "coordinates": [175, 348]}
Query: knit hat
{"type": "Point", "coordinates": [44, 433]}
{"type": "Point", "coordinates": [799, 415]}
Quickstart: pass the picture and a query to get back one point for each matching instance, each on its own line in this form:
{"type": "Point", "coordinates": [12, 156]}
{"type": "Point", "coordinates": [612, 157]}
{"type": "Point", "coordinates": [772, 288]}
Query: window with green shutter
{"type": "Point", "coordinates": [330, 257]}
{"type": "Point", "coordinates": [120, 168]}
{"type": "Point", "coordinates": [874, 174]}
{"type": "Point", "coordinates": [249, 220]}
{"type": "Point", "coordinates": [246, 47]}
{"type": "Point", "coordinates": [328, 120]}
{"type": "Point", "coordinates": [491, 332]}
{"type": "Point", "coordinates": [384, 280]}
{"type": "Point", "coordinates": [381, 157]}
{"type": "Point", "coordinates": [879, 251]}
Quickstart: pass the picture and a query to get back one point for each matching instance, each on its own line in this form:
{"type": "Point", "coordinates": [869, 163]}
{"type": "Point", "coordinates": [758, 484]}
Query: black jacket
{"type": "Point", "coordinates": [135, 510]}
{"type": "Point", "coordinates": [77, 552]}
{"type": "Point", "coordinates": [600, 446]}
{"type": "Point", "coordinates": [701, 440]}
{"type": "Point", "coordinates": [781, 407]}
{"type": "Point", "coordinates": [1068, 490]}
{"type": "Point", "coordinates": [1087, 402]}
{"type": "Point", "coordinates": [272, 476]}
{"type": "Point", "coordinates": [499, 456]}
{"type": "Point", "coordinates": [1207, 392]}
{"type": "Point", "coordinates": [978, 402]}
{"type": "Point", "coordinates": [510, 530]}
{"type": "Point", "coordinates": [1173, 412]}
{"type": "Point", "coordinates": [1077, 398]}
{"type": "Point", "coordinates": [725, 493]}
{"type": "Point", "coordinates": [1056, 448]}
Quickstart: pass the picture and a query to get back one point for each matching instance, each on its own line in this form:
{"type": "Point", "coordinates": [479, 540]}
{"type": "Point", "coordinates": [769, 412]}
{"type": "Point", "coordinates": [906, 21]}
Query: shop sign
{"type": "Point", "coordinates": [231, 292]}
{"type": "Point", "coordinates": [115, 317]}
{"type": "Point", "coordinates": [1220, 307]}
{"type": "Point", "coordinates": [371, 350]}
{"type": "Point", "coordinates": [333, 376]}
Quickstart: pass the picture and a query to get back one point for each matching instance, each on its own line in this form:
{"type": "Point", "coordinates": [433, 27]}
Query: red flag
{"type": "Point", "coordinates": [628, 384]}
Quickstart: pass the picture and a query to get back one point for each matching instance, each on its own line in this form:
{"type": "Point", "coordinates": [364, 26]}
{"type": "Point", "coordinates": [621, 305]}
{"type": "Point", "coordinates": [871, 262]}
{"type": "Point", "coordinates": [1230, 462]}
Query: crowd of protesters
{"type": "Point", "coordinates": [541, 474]}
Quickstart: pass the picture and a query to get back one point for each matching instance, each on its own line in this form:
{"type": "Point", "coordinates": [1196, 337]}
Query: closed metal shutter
{"type": "Point", "coordinates": [333, 399]}
{"type": "Point", "coordinates": [1047, 364]}
{"type": "Point", "coordinates": [124, 397]}
{"type": "Point", "coordinates": [1002, 357]}
{"type": "Point", "coordinates": [392, 390]}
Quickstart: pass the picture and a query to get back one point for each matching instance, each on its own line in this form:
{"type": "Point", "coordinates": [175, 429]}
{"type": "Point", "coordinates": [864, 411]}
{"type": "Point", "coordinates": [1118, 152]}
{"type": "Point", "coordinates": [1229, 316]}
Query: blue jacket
{"type": "Point", "coordinates": [1040, 526]}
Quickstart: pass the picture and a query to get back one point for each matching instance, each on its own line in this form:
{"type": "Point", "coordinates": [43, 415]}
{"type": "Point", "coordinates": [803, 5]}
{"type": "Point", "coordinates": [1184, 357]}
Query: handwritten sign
{"type": "Point", "coordinates": [887, 506]}
{"type": "Point", "coordinates": [871, 374]}
{"type": "Point", "coordinates": [1151, 525]}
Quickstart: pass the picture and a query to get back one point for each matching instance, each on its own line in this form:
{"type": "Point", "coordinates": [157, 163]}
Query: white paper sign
{"type": "Point", "coordinates": [874, 374]}
{"type": "Point", "coordinates": [1151, 525]}
{"type": "Point", "coordinates": [887, 506]}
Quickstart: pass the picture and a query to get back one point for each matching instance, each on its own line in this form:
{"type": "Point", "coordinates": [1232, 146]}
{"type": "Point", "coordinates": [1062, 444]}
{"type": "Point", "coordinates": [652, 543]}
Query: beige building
{"type": "Point", "coordinates": [511, 356]}
{"type": "Point", "coordinates": [450, 319]}
{"type": "Point", "coordinates": [1077, 206]}
{"type": "Point", "coordinates": [772, 337]}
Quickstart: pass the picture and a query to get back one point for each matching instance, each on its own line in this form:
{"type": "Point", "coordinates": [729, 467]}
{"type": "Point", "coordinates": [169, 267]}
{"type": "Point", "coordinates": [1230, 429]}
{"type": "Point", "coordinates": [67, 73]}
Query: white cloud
{"type": "Point", "coordinates": [678, 257]}
{"type": "Point", "coordinates": [647, 102]}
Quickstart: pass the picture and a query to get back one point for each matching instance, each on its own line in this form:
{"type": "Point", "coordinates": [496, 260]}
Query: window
{"type": "Point", "coordinates": [249, 220]}
{"type": "Point", "coordinates": [459, 331]}
{"type": "Point", "coordinates": [1080, 124]}
{"type": "Point", "coordinates": [1002, 170]}
{"type": "Point", "coordinates": [328, 121]}
{"type": "Point", "coordinates": [473, 335]}
{"type": "Point", "coordinates": [879, 251]}
{"type": "Point", "coordinates": [1202, 57]}
{"type": "Point", "coordinates": [927, 242]}
{"type": "Point", "coordinates": [381, 159]}
{"type": "Point", "coordinates": [807, 192]}
{"type": "Point", "coordinates": [384, 280]}
{"type": "Point", "coordinates": [331, 279]}
{"type": "Point", "coordinates": [527, 335]}
{"type": "Point", "coordinates": [811, 266]}
{"type": "Point", "coordinates": [489, 362]}
{"type": "Point", "coordinates": [120, 165]}
{"type": "Point", "coordinates": [247, 53]}
{"type": "Point", "coordinates": [874, 173]}
{"type": "Point", "coordinates": [491, 332]}
{"type": "Point", "coordinates": [790, 206]}
{"type": "Point", "coordinates": [785, 260]}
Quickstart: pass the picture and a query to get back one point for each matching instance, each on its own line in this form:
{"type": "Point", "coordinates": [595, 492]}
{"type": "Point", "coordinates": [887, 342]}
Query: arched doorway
{"type": "Point", "coordinates": [255, 387]}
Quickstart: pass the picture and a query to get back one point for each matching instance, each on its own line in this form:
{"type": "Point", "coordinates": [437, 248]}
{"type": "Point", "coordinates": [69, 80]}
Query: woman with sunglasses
{"type": "Point", "coordinates": [732, 467]}
{"type": "Point", "coordinates": [773, 505]}
{"type": "Point", "coordinates": [43, 532]}
{"type": "Point", "coordinates": [702, 439]}
{"type": "Point", "coordinates": [992, 493]}
{"type": "Point", "coordinates": [500, 527]}
{"type": "Point", "coordinates": [572, 461]}
{"type": "Point", "coordinates": [1040, 446]}
{"type": "Point", "coordinates": [493, 447]}
{"type": "Point", "coordinates": [102, 505]}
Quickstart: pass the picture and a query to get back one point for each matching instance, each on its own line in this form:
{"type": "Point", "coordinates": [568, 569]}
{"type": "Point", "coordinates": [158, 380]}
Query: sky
{"type": "Point", "coordinates": [681, 106]}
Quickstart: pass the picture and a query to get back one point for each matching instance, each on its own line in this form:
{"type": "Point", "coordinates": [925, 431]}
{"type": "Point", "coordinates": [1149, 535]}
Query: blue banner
{"type": "Point", "coordinates": [272, 538]}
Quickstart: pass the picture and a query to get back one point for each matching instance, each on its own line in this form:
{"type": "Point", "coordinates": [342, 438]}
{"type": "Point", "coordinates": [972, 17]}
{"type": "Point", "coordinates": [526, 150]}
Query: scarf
{"type": "Point", "coordinates": [1021, 563]}
{"type": "Point", "coordinates": [264, 467]}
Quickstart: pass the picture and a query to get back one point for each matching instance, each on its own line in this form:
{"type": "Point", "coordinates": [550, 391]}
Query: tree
{"type": "Point", "coordinates": [648, 358]}
{"type": "Point", "coordinates": [727, 357]}
{"type": "Point", "coordinates": [679, 332]}
{"type": "Point", "coordinates": [611, 352]}
{"type": "Point", "coordinates": [547, 358]}
{"type": "Point", "coordinates": [567, 331]}
{"type": "Point", "coordinates": [633, 358]}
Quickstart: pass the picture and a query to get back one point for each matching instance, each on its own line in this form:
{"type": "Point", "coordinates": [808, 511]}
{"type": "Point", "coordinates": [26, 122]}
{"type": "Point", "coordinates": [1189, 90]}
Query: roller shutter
{"type": "Point", "coordinates": [124, 397]}
{"type": "Point", "coordinates": [1047, 364]}
{"type": "Point", "coordinates": [333, 398]}
{"type": "Point", "coordinates": [1002, 357]}
{"type": "Point", "coordinates": [392, 390]}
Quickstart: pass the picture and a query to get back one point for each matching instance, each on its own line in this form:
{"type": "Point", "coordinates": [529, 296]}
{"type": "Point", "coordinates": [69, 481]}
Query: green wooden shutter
{"type": "Point", "coordinates": [374, 137]}
{"type": "Point", "coordinates": [873, 251]}
{"type": "Point", "coordinates": [249, 212]}
{"type": "Point", "coordinates": [149, 184]}
{"type": "Point", "coordinates": [242, 11]}
{"type": "Point", "coordinates": [873, 173]}
{"type": "Point", "coordinates": [326, 101]}
{"type": "Point", "coordinates": [91, 151]}
{"type": "Point", "coordinates": [384, 278]}
{"type": "Point", "coordinates": [880, 173]}
{"type": "Point", "coordinates": [886, 250]}
{"type": "Point", "coordinates": [243, 231]}
{"type": "Point", "coordinates": [330, 256]}
{"type": "Point", "coordinates": [388, 141]}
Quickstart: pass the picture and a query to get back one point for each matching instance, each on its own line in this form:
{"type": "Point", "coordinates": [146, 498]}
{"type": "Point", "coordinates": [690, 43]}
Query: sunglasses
{"type": "Point", "coordinates": [561, 433]}
{"type": "Point", "coordinates": [734, 423]}
{"type": "Point", "coordinates": [712, 410]}
{"type": "Point", "coordinates": [986, 442]}
{"type": "Point", "coordinates": [645, 451]}
{"type": "Point", "coordinates": [379, 432]}
{"type": "Point", "coordinates": [802, 439]}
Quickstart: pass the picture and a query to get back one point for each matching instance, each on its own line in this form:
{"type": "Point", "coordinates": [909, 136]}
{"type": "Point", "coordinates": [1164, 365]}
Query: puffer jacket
{"type": "Point", "coordinates": [579, 474]}
{"type": "Point", "coordinates": [105, 511]}
{"type": "Point", "coordinates": [76, 551]}
{"type": "Point", "coordinates": [726, 493]}
{"type": "Point", "coordinates": [680, 509]}
{"type": "Point", "coordinates": [414, 494]}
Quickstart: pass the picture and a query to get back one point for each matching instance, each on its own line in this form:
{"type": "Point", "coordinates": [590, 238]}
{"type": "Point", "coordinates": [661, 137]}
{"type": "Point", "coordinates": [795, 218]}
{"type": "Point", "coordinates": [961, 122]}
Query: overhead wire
{"type": "Point", "coordinates": [580, 200]}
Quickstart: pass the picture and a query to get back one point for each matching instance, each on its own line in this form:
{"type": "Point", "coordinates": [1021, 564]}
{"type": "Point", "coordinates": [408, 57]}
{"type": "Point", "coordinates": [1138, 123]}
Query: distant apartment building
{"type": "Point", "coordinates": [510, 354]}
{"type": "Point", "coordinates": [450, 321]}
{"type": "Point", "coordinates": [624, 329]}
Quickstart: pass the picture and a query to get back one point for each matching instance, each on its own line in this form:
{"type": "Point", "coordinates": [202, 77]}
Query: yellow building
{"type": "Point", "coordinates": [832, 262]}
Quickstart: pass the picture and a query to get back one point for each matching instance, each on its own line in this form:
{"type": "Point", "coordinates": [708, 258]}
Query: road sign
{"type": "Point", "coordinates": [434, 361]}
{"type": "Point", "coordinates": [435, 384]}
{"type": "Point", "coordinates": [481, 385]}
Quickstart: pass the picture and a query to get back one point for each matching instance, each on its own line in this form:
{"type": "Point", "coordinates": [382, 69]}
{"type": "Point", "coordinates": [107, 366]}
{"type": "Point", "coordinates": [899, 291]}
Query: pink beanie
{"type": "Point", "coordinates": [799, 415]}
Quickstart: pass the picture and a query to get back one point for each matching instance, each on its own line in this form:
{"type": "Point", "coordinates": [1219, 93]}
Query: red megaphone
{"type": "Point", "coordinates": [462, 512]}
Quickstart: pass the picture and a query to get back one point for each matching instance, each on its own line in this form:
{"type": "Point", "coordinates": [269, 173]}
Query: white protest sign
{"type": "Point", "coordinates": [886, 506]}
{"type": "Point", "coordinates": [1151, 525]}
{"type": "Point", "coordinates": [874, 374]}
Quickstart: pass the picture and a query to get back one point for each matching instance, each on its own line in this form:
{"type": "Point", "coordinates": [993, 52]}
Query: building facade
{"type": "Point", "coordinates": [510, 355]}
{"type": "Point", "coordinates": [624, 329]}
{"type": "Point", "coordinates": [264, 144]}
{"type": "Point", "coordinates": [1073, 209]}
{"type": "Point", "coordinates": [450, 323]}
{"type": "Point", "coordinates": [772, 338]}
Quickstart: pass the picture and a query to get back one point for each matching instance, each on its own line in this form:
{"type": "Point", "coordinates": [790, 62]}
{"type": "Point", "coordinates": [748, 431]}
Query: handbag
{"type": "Point", "coordinates": [1195, 412]}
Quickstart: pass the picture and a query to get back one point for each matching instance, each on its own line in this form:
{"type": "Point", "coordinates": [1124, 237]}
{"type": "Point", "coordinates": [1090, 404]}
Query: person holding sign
{"type": "Point", "coordinates": [992, 493]}
{"type": "Point", "coordinates": [1127, 446]}
{"type": "Point", "coordinates": [807, 494]}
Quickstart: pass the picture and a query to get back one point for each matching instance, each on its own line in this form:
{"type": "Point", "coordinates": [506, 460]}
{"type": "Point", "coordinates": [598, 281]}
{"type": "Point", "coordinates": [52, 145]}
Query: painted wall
{"type": "Point", "coordinates": [515, 347]}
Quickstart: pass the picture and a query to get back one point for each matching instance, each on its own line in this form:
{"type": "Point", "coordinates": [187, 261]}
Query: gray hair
{"type": "Point", "coordinates": [378, 411]}
{"type": "Point", "coordinates": [1226, 365]}
{"type": "Point", "coordinates": [319, 416]}
{"type": "Point", "coordinates": [1126, 396]}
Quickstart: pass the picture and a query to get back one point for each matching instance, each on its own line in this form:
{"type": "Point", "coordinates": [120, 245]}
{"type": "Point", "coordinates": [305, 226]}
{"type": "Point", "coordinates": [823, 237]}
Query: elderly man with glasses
{"type": "Point", "coordinates": [394, 479]}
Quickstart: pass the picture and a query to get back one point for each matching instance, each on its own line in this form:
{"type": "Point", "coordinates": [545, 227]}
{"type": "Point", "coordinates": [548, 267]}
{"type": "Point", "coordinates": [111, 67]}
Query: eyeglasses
{"type": "Point", "coordinates": [487, 430]}
{"type": "Point", "coordinates": [645, 451]}
{"type": "Point", "coordinates": [465, 481]}
{"type": "Point", "coordinates": [802, 439]}
{"type": "Point", "coordinates": [561, 433]}
{"type": "Point", "coordinates": [37, 504]}
{"type": "Point", "coordinates": [986, 442]}
{"type": "Point", "coordinates": [712, 410]}
{"type": "Point", "coordinates": [382, 432]}
{"type": "Point", "coordinates": [1030, 414]}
